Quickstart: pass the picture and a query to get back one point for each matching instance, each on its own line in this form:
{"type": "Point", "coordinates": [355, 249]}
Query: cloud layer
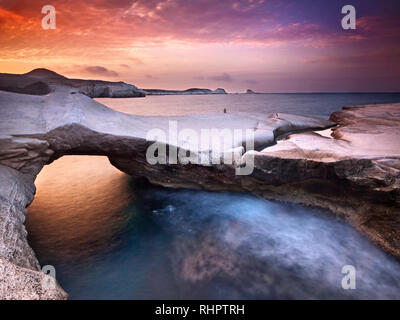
{"type": "Point", "coordinates": [203, 42]}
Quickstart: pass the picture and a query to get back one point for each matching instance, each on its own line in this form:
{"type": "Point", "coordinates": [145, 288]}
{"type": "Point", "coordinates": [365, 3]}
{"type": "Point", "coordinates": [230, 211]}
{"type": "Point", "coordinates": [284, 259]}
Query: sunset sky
{"type": "Point", "coordinates": [265, 45]}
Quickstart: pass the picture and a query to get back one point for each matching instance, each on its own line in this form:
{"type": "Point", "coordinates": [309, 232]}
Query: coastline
{"type": "Point", "coordinates": [356, 180]}
{"type": "Point", "coordinates": [191, 91]}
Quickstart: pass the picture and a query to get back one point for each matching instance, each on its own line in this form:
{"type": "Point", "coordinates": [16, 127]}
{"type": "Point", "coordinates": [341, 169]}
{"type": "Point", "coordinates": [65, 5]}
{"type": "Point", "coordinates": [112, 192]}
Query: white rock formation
{"type": "Point", "coordinates": [43, 81]}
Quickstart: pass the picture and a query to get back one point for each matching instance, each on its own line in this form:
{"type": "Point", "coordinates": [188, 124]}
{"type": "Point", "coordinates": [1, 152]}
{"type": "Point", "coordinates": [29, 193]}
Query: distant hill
{"type": "Point", "coordinates": [191, 91]}
{"type": "Point", "coordinates": [44, 73]}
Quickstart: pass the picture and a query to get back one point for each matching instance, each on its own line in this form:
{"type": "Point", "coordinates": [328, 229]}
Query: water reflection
{"type": "Point", "coordinates": [77, 211]}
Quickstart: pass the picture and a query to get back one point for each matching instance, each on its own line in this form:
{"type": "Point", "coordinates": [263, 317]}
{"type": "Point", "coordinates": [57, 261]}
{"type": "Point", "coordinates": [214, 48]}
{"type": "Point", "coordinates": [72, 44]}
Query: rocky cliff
{"type": "Point", "coordinates": [43, 81]}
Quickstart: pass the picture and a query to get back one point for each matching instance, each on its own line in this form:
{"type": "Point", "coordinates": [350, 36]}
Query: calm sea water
{"type": "Point", "coordinates": [111, 237]}
{"type": "Point", "coordinates": [320, 105]}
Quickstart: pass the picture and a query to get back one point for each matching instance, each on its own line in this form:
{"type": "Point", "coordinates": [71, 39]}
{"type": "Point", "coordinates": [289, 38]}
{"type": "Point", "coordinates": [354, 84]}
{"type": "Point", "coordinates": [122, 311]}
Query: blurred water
{"type": "Point", "coordinates": [110, 237]}
{"type": "Point", "coordinates": [129, 240]}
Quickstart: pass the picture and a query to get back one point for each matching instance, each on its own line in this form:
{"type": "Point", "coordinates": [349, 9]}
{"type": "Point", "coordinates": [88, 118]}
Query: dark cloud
{"type": "Point", "coordinates": [101, 71]}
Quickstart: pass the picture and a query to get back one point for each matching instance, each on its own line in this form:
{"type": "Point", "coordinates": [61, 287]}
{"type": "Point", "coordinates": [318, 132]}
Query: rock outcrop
{"type": "Point", "coordinates": [354, 171]}
{"type": "Point", "coordinates": [43, 81]}
{"type": "Point", "coordinates": [219, 91]}
{"type": "Point", "coordinates": [249, 91]}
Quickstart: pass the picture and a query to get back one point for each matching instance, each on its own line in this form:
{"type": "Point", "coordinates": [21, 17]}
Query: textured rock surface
{"type": "Point", "coordinates": [20, 273]}
{"type": "Point", "coordinates": [354, 172]}
{"type": "Point", "coordinates": [20, 283]}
